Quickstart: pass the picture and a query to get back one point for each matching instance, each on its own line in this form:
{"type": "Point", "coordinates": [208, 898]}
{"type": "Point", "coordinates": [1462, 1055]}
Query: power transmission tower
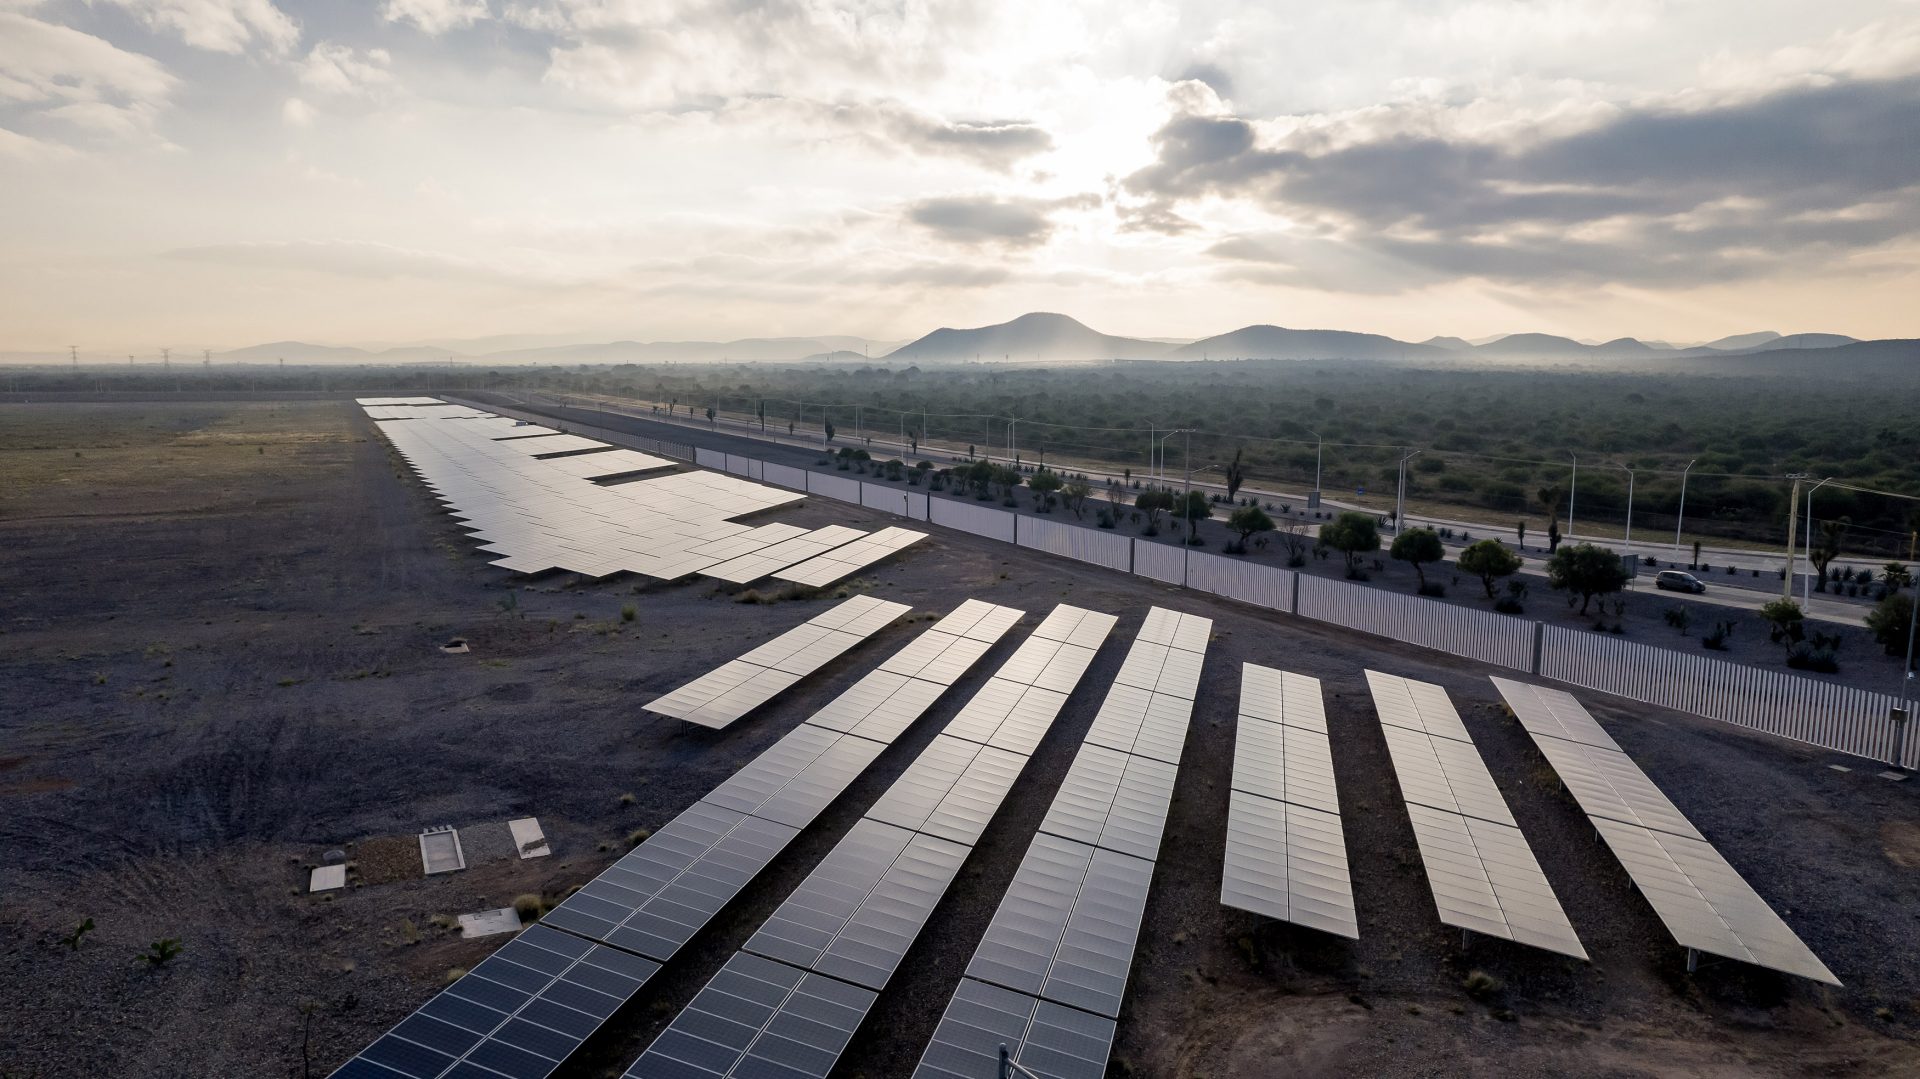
{"type": "Point", "coordinates": [74, 352]}
{"type": "Point", "coordinates": [206, 360]}
{"type": "Point", "coordinates": [166, 359]}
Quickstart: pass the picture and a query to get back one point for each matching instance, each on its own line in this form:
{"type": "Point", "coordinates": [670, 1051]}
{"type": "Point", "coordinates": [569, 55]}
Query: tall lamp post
{"type": "Point", "coordinates": [1573, 486]}
{"type": "Point", "coordinates": [1806, 582]}
{"type": "Point", "coordinates": [1319, 453]}
{"type": "Point", "coordinates": [1400, 496]}
{"type": "Point", "coordinates": [1682, 518]}
{"type": "Point", "coordinates": [1634, 570]}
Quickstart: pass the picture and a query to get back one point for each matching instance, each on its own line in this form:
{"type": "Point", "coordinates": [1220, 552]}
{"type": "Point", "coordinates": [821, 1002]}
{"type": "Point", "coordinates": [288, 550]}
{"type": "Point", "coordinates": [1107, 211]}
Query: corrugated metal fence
{"type": "Point", "coordinates": [1460, 631]}
{"type": "Point", "coordinates": [971, 517]}
{"type": "Point", "coordinates": [1080, 544]}
{"type": "Point", "coordinates": [1237, 578]}
{"type": "Point", "coordinates": [1834, 716]}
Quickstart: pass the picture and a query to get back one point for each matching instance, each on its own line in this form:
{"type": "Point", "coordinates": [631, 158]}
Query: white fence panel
{"type": "Point", "coordinates": [970, 517]}
{"type": "Point", "coordinates": [1805, 709]}
{"type": "Point", "coordinates": [839, 487]}
{"type": "Point", "coordinates": [707, 458]}
{"type": "Point", "coordinates": [784, 476]}
{"type": "Point", "coordinates": [1481, 635]}
{"type": "Point", "coordinates": [744, 466]}
{"type": "Point", "coordinates": [1160, 561]}
{"type": "Point", "coordinates": [917, 505]}
{"type": "Point", "coordinates": [892, 499]}
{"type": "Point", "coordinates": [1236, 578]}
{"type": "Point", "coordinates": [1080, 544]}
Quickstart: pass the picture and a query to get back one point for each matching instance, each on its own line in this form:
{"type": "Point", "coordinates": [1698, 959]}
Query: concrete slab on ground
{"type": "Point", "coordinates": [487, 923]}
{"type": "Point", "coordinates": [326, 878]}
{"type": "Point", "coordinates": [528, 839]}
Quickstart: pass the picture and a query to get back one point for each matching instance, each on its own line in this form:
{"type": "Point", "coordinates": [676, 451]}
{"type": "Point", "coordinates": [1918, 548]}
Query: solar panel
{"type": "Point", "coordinates": [851, 922]}
{"type": "Point", "coordinates": [1050, 974]}
{"type": "Point", "coordinates": [1482, 873]}
{"type": "Point", "coordinates": [760, 1018]}
{"type": "Point", "coordinates": [518, 1012]}
{"type": "Point", "coordinates": [752, 567]}
{"type": "Point", "coordinates": [829, 567]}
{"type": "Point", "coordinates": [1286, 855]}
{"type": "Point", "coordinates": [1705, 903]}
{"type": "Point", "coordinates": [721, 696]}
{"type": "Point", "coordinates": [539, 510]}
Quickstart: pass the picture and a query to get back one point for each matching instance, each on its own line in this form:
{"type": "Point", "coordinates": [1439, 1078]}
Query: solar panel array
{"type": "Point", "coordinates": [841, 561]}
{"type": "Point", "coordinates": [1048, 977]}
{"type": "Point", "coordinates": [1705, 903]}
{"type": "Point", "coordinates": [733, 689]}
{"type": "Point", "coordinates": [1286, 852]}
{"type": "Point", "coordinates": [789, 1002]}
{"type": "Point", "coordinates": [528, 494]}
{"type": "Point", "coordinates": [1484, 876]}
{"type": "Point", "coordinates": [655, 898]}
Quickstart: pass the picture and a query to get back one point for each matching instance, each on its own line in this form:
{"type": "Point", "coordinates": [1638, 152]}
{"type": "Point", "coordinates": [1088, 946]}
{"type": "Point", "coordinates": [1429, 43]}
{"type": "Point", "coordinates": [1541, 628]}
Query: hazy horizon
{"type": "Point", "coordinates": [223, 173]}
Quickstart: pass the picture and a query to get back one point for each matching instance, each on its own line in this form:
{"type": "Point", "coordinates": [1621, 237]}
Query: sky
{"type": "Point", "coordinates": [217, 173]}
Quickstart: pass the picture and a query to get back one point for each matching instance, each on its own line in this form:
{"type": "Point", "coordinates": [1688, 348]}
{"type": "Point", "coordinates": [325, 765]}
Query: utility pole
{"type": "Point", "coordinates": [166, 360]}
{"type": "Point", "coordinates": [1682, 519]}
{"type": "Point", "coordinates": [1400, 499]}
{"type": "Point", "coordinates": [1793, 520]}
{"type": "Point", "coordinates": [206, 360]}
{"type": "Point", "coordinates": [74, 352]}
{"type": "Point", "coordinates": [1634, 569]}
{"type": "Point", "coordinates": [1572, 486]}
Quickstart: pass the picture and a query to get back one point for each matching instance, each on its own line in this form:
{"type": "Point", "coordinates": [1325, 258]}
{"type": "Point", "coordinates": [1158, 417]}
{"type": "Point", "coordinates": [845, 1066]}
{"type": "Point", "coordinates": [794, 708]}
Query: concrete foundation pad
{"type": "Point", "coordinates": [326, 878]}
{"type": "Point", "coordinates": [528, 839]}
{"type": "Point", "coordinates": [487, 923]}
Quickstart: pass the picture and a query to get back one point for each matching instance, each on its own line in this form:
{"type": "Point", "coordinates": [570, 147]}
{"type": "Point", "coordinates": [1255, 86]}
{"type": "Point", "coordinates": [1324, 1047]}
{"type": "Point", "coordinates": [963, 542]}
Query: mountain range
{"type": "Point", "coordinates": [1039, 337]}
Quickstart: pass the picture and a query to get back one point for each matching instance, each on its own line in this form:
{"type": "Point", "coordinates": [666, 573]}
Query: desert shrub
{"type": "Point", "coordinates": [529, 906]}
{"type": "Point", "coordinates": [161, 952]}
{"type": "Point", "coordinates": [1480, 985]}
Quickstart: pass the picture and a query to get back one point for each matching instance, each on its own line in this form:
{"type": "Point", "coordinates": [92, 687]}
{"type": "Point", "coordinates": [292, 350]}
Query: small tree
{"type": "Point", "coordinates": [1293, 536]}
{"type": "Point", "coordinates": [1553, 536]}
{"type": "Point", "coordinates": [1236, 476]}
{"type": "Point", "coordinates": [1075, 495]}
{"type": "Point", "coordinates": [1489, 561]}
{"type": "Point", "coordinates": [1193, 509]}
{"type": "Point", "coordinates": [1248, 520]}
{"type": "Point", "coordinates": [1696, 555]}
{"type": "Point", "coordinates": [1352, 534]}
{"type": "Point", "coordinates": [828, 427]}
{"type": "Point", "coordinates": [1586, 570]}
{"type": "Point", "coordinates": [1418, 546]}
{"type": "Point", "coordinates": [1889, 620]}
{"type": "Point", "coordinates": [1153, 502]}
{"type": "Point", "coordinates": [1520, 533]}
{"type": "Point", "coordinates": [1006, 479]}
{"type": "Point", "coordinates": [1828, 548]}
{"type": "Point", "coordinates": [1785, 623]}
{"type": "Point", "coordinates": [1044, 483]}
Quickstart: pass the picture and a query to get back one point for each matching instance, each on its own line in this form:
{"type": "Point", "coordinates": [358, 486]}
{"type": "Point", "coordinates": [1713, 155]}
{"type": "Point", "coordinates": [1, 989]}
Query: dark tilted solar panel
{"type": "Point", "coordinates": [520, 1011]}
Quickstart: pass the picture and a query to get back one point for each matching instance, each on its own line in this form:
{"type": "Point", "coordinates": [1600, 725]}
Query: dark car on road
{"type": "Point", "coordinates": [1674, 580]}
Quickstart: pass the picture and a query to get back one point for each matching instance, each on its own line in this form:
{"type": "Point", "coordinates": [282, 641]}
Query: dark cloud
{"type": "Point", "coordinates": [1213, 75]}
{"type": "Point", "coordinates": [1656, 195]}
{"type": "Point", "coordinates": [982, 219]}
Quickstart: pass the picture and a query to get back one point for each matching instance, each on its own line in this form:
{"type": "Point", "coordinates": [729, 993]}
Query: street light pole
{"type": "Point", "coordinates": [1806, 582]}
{"type": "Point", "coordinates": [1682, 519]}
{"type": "Point", "coordinates": [1573, 487]}
{"type": "Point", "coordinates": [1629, 473]}
{"type": "Point", "coordinates": [1400, 496]}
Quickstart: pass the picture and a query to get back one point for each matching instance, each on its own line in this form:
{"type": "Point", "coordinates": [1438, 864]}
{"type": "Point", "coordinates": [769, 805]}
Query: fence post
{"type": "Point", "coordinates": [1295, 608]}
{"type": "Point", "coordinates": [1131, 543]}
{"type": "Point", "coordinates": [1539, 641]}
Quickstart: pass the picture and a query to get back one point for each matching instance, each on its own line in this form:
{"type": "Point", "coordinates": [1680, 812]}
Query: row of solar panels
{"type": "Point", "coordinates": [527, 492]}
{"type": "Point", "coordinates": [1049, 976]}
{"type": "Point", "coordinates": [1050, 973]}
{"type": "Point", "coordinates": [789, 1001]}
{"type": "Point", "coordinates": [1286, 851]}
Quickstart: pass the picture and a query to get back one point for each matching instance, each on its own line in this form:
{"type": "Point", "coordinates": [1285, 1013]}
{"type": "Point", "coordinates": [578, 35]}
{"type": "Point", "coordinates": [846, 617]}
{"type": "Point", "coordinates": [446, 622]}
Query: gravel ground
{"type": "Point", "coordinates": [246, 675]}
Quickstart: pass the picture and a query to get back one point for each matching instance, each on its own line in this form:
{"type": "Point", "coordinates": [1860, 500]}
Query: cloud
{"type": "Point", "coordinates": [79, 80]}
{"type": "Point", "coordinates": [1647, 194]}
{"type": "Point", "coordinates": [228, 26]}
{"type": "Point", "coordinates": [993, 143]}
{"type": "Point", "coordinates": [987, 219]}
{"type": "Point", "coordinates": [332, 68]}
{"type": "Point", "coordinates": [29, 150]}
{"type": "Point", "coordinates": [297, 113]}
{"type": "Point", "coordinates": [435, 16]}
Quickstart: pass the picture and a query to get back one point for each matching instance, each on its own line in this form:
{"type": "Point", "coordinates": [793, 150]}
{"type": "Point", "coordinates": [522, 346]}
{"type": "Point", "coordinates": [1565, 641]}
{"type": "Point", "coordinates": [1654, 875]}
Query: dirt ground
{"type": "Point", "coordinates": [220, 660]}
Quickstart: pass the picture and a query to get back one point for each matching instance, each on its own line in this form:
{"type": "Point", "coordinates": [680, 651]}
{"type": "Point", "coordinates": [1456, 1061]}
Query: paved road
{"type": "Point", "coordinates": [779, 447]}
